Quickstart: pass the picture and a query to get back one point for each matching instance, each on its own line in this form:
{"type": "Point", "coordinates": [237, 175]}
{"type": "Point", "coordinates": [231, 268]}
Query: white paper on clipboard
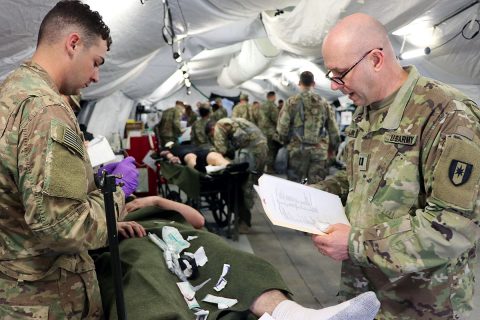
{"type": "Point", "coordinates": [99, 151]}
{"type": "Point", "coordinates": [296, 206]}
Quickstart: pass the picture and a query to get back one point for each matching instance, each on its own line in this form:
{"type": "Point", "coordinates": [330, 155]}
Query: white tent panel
{"type": "Point", "coordinates": [110, 115]}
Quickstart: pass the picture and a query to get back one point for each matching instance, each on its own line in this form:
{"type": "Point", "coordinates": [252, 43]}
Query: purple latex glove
{"type": "Point", "coordinates": [126, 168]}
{"type": "Point", "coordinates": [108, 167]}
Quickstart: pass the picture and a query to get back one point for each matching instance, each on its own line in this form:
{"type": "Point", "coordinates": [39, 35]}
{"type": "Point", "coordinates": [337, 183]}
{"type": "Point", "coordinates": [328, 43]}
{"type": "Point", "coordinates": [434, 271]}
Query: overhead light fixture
{"type": "Point", "coordinates": [414, 53]}
{"type": "Point", "coordinates": [188, 83]}
{"type": "Point", "coordinates": [177, 57]}
{"type": "Point", "coordinates": [184, 68]}
{"type": "Point", "coordinates": [186, 75]}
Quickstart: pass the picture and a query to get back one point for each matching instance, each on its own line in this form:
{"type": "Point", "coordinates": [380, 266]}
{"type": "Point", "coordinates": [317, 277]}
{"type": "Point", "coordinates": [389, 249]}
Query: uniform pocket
{"type": "Point", "coordinates": [395, 186]}
{"type": "Point", "coordinates": [65, 173]}
{"type": "Point", "coordinates": [24, 312]}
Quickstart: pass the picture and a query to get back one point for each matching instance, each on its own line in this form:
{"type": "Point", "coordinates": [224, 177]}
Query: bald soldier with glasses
{"type": "Point", "coordinates": [413, 171]}
{"type": "Point", "coordinates": [338, 80]}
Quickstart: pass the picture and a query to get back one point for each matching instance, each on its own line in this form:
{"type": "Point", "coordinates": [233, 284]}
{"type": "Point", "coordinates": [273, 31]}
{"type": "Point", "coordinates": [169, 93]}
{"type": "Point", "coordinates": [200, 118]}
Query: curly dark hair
{"type": "Point", "coordinates": [73, 12]}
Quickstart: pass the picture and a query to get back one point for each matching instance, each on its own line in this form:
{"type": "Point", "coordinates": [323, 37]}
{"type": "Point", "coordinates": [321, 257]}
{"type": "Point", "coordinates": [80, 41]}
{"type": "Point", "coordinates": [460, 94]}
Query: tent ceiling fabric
{"type": "Point", "coordinates": [215, 34]}
{"type": "Point", "coordinates": [254, 58]}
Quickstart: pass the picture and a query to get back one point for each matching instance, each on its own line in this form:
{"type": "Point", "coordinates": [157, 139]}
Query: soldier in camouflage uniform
{"type": "Point", "coordinates": [280, 105]}
{"type": "Point", "coordinates": [169, 128]}
{"type": "Point", "coordinates": [242, 109]}
{"type": "Point", "coordinates": [267, 123]}
{"type": "Point", "coordinates": [250, 146]}
{"type": "Point", "coordinates": [189, 115]}
{"type": "Point", "coordinates": [413, 175]}
{"type": "Point", "coordinates": [51, 212]}
{"type": "Point", "coordinates": [219, 111]}
{"type": "Point", "coordinates": [198, 134]}
{"type": "Point", "coordinates": [254, 113]}
{"type": "Point", "coordinates": [307, 124]}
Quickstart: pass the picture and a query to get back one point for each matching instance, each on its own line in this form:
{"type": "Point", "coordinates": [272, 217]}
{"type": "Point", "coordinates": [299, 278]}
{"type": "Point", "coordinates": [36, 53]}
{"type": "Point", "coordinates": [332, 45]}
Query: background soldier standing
{"type": "Point", "coordinates": [219, 112]}
{"type": "Point", "coordinates": [267, 123]}
{"type": "Point", "coordinates": [254, 113]}
{"type": "Point", "coordinates": [169, 128]}
{"type": "Point", "coordinates": [189, 115]}
{"type": "Point", "coordinates": [199, 135]}
{"type": "Point", "coordinates": [307, 124]}
{"type": "Point", "coordinates": [242, 109]}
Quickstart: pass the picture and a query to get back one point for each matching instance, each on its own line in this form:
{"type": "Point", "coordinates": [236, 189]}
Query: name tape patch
{"type": "Point", "coordinates": [406, 139]}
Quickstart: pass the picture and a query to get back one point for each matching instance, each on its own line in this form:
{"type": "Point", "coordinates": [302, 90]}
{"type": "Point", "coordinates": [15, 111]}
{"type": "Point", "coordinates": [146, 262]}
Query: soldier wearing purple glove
{"type": "Point", "coordinates": [128, 172]}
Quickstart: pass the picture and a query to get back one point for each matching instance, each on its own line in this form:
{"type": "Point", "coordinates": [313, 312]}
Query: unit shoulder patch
{"type": "Point", "coordinates": [456, 175]}
{"type": "Point", "coordinates": [459, 172]}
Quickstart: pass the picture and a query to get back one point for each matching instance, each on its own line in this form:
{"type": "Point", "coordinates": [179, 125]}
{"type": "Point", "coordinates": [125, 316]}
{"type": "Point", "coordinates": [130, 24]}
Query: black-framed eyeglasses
{"type": "Point", "coordinates": [338, 80]}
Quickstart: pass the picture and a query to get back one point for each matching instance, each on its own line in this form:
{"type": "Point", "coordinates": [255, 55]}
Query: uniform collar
{"type": "Point", "coordinates": [35, 67]}
{"type": "Point", "coordinates": [397, 108]}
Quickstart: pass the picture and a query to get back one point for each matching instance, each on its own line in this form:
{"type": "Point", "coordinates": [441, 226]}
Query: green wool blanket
{"type": "Point", "coordinates": [150, 289]}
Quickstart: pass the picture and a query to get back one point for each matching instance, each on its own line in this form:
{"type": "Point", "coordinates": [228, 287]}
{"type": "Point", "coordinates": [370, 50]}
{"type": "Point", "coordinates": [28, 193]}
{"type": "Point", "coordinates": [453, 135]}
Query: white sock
{"type": "Point", "coordinates": [362, 307]}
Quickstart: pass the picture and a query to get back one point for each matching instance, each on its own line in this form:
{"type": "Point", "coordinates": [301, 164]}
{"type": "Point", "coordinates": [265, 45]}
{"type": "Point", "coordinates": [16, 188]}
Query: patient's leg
{"type": "Point", "coordinates": [274, 302]}
{"type": "Point", "coordinates": [190, 160]}
{"type": "Point", "coordinates": [216, 159]}
{"type": "Point", "coordinates": [267, 302]}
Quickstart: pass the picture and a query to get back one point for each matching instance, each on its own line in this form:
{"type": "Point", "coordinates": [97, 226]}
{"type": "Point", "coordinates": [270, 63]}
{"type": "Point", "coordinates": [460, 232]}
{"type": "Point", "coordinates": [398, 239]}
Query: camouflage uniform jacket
{"type": "Point", "coordinates": [413, 202]}
{"type": "Point", "coordinates": [242, 111]}
{"type": "Point", "coordinates": [220, 113]}
{"type": "Point", "coordinates": [242, 134]}
{"type": "Point", "coordinates": [191, 119]}
{"type": "Point", "coordinates": [268, 116]}
{"type": "Point", "coordinates": [51, 212]}
{"type": "Point", "coordinates": [318, 115]}
{"type": "Point", "coordinates": [169, 125]}
{"type": "Point", "coordinates": [254, 113]}
{"type": "Point", "coordinates": [198, 134]}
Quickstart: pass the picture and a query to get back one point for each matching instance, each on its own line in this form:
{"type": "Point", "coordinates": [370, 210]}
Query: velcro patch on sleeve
{"type": "Point", "coordinates": [67, 137]}
{"type": "Point", "coordinates": [65, 172]}
{"type": "Point", "coordinates": [457, 174]}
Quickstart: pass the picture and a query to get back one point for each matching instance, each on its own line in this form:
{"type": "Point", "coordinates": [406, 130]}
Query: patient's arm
{"type": "Point", "coordinates": [192, 216]}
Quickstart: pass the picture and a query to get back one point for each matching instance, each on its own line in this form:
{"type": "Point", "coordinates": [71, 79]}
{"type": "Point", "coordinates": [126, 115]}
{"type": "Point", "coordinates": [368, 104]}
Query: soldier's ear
{"type": "Point", "coordinates": [71, 43]}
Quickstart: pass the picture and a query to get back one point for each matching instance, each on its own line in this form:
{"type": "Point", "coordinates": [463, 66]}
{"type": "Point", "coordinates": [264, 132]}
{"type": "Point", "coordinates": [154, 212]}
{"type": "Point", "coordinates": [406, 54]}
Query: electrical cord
{"type": "Point", "coordinates": [185, 25]}
{"type": "Point", "coordinates": [474, 34]}
{"type": "Point", "coordinates": [167, 30]}
{"type": "Point", "coordinates": [462, 32]}
{"type": "Point", "coordinates": [199, 91]}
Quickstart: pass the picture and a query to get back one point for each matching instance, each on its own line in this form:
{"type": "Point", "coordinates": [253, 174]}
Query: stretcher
{"type": "Point", "coordinates": [220, 193]}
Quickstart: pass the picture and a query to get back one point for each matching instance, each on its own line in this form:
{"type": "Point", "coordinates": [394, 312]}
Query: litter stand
{"type": "Point", "coordinates": [107, 184]}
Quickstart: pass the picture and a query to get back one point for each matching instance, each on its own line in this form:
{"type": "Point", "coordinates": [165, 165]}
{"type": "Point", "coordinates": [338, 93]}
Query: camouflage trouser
{"type": "Point", "coordinates": [353, 282]}
{"type": "Point", "coordinates": [62, 295]}
{"type": "Point", "coordinates": [257, 159]}
{"type": "Point", "coordinates": [311, 163]}
{"type": "Point", "coordinates": [420, 296]}
{"type": "Point", "coordinates": [273, 147]}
